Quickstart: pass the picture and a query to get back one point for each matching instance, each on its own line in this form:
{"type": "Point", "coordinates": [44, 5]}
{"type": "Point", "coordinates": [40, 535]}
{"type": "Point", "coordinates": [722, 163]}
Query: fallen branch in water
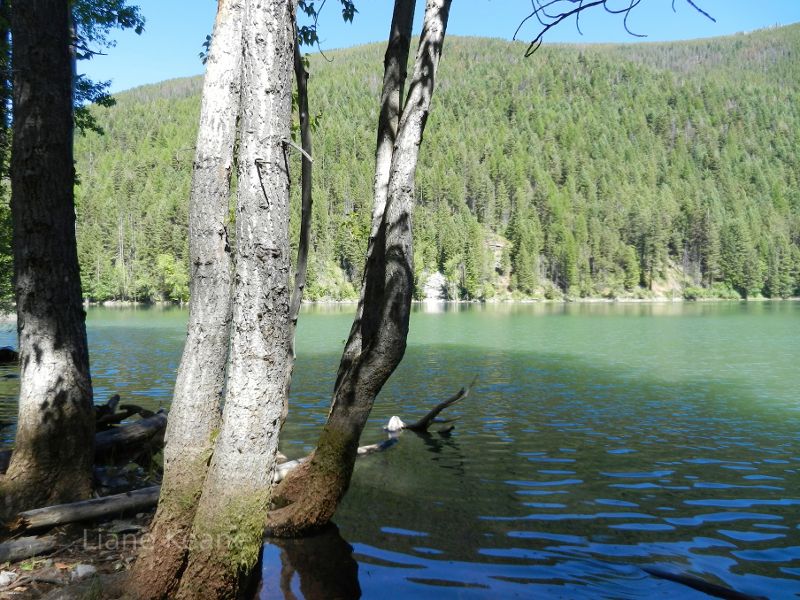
{"type": "Point", "coordinates": [395, 424]}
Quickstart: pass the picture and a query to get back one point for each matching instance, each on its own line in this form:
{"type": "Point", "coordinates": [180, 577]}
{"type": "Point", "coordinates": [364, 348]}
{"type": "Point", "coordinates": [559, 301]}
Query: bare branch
{"type": "Point", "coordinates": [551, 13]}
{"type": "Point", "coordinates": [425, 422]}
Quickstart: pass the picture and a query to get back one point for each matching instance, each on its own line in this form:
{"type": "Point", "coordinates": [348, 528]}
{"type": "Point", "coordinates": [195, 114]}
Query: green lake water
{"type": "Point", "coordinates": [599, 439]}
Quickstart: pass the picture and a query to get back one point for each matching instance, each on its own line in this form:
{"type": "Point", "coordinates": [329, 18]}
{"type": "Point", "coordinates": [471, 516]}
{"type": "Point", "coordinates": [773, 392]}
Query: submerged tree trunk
{"type": "Point", "coordinates": [195, 412]}
{"type": "Point", "coordinates": [229, 523]}
{"type": "Point", "coordinates": [308, 497]}
{"type": "Point", "coordinates": [52, 459]}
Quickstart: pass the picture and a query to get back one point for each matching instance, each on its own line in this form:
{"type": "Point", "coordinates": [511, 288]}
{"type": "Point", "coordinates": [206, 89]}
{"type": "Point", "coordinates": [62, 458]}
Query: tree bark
{"type": "Point", "coordinates": [395, 63]}
{"type": "Point", "coordinates": [52, 459]}
{"type": "Point", "coordinates": [195, 412]}
{"type": "Point", "coordinates": [229, 523]}
{"type": "Point", "coordinates": [307, 498]}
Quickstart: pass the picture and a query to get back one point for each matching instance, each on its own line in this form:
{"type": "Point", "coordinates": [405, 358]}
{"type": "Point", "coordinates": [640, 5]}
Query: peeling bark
{"type": "Point", "coordinates": [228, 526]}
{"type": "Point", "coordinates": [195, 412]}
{"type": "Point", "coordinates": [307, 498]}
{"type": "Point", "coordinates": [52, 459]}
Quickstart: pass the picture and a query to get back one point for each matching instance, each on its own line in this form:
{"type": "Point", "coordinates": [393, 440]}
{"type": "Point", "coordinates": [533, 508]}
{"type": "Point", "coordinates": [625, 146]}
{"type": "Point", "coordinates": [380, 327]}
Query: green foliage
{"type": "Point", "coordinates": [94, 20]}
{"type": "Point", "coordinates": [602, 171]}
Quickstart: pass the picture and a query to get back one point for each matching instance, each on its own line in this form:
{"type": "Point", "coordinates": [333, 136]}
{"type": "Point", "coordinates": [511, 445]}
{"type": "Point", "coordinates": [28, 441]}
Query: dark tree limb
{"type": "Point", "coordinates": [425, 422]}
{"type": "Point", "coordinates": [551, 13]}
{"type": "Point", "coordinates": [106, 415]}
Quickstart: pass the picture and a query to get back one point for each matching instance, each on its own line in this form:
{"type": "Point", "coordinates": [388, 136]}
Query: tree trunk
{"type": "Point", "coordinates": [301, 264]}
{"type": "Point", "coordinates": [195, 412]}
{"type": "Point", "coordinates": [229, 523]}
{"type": "Point", "coordinates": [395, 63]}
{"type": "Point", "coordinates": [307, 498]}
{"type": "Point", "coordinates": [52, 459]}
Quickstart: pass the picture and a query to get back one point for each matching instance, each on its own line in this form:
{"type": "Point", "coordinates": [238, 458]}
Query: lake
{"type": "Point", "coordinates": [598, 439]}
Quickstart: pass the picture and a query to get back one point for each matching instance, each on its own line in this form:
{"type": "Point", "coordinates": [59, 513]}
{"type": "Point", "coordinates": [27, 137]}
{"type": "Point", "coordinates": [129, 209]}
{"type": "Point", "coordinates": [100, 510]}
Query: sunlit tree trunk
{"type": "Point", "coordinates": [229, 523]}
{"type": "Point", "coordinates": [196, 406]}
{"type": "Point", "coordinates": [52, 459]}
{"type": "Point", "coordinates": [308, 497]}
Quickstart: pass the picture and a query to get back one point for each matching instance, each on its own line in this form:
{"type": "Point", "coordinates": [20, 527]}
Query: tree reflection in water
{"type": "Point", "coordinates": [316, 567]}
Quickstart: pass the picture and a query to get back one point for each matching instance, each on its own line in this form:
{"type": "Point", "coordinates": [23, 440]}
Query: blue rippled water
{"type": "Point", "coordinates": [601, 443]}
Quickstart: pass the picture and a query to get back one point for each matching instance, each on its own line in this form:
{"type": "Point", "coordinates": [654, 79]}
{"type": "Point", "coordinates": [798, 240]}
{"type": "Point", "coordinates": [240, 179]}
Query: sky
{"type": "Point", "coordinates": [176, 29]}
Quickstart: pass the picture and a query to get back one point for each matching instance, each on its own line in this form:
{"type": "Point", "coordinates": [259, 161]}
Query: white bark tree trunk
{"type": "Point", "coordinates": [229, 523]}
{"type": "Point", "coordinates": [196, 406]}
{"type": "Point", "coordinates": [309, 495]}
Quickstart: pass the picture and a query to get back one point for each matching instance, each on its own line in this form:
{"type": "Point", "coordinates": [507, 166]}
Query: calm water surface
{"type": "Point", "coordinates": [599, 439]}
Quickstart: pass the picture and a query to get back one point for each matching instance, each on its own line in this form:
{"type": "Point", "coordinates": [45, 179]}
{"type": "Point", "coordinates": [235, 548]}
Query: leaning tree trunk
{"type": "Point", "coordinates": [306, 198]}
{"type": "Point", "coordinates": [229, 524]}
{"type": "Point", "coordinates": [308, 497]}
{"type": "Point", "coordinates": [52, 459]}
{"type": "Point", "coordinates": [195, 411]}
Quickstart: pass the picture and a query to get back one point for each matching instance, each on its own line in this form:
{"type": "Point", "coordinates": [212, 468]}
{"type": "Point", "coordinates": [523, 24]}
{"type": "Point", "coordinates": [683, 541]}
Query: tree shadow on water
{"type": "Point", "coordinates": [317, 567]}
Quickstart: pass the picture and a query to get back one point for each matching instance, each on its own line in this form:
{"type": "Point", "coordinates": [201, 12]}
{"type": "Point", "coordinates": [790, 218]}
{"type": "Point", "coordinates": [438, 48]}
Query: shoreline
{"type": "Point", "coordinates": [9, 318]}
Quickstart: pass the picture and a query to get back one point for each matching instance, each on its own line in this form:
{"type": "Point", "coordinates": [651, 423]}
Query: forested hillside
{"type": "Point", "coordinates": [581, 171]}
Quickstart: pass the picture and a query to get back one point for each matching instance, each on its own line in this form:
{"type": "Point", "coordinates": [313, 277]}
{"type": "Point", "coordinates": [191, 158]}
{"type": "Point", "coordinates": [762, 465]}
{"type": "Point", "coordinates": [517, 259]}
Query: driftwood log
{"type": "Point", "coordinates": [86, 510]}
{"type": "Point", "coordinates": [26, 547]}
{"type": "Point", "coordinates": [128, 441]}
{"type": "Point", "coordinates": [125, 442]}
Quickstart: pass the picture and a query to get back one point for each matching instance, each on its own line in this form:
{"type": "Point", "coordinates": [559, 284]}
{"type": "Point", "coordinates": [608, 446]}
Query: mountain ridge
{"type": "Point", "coordinates": [585, 170]}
